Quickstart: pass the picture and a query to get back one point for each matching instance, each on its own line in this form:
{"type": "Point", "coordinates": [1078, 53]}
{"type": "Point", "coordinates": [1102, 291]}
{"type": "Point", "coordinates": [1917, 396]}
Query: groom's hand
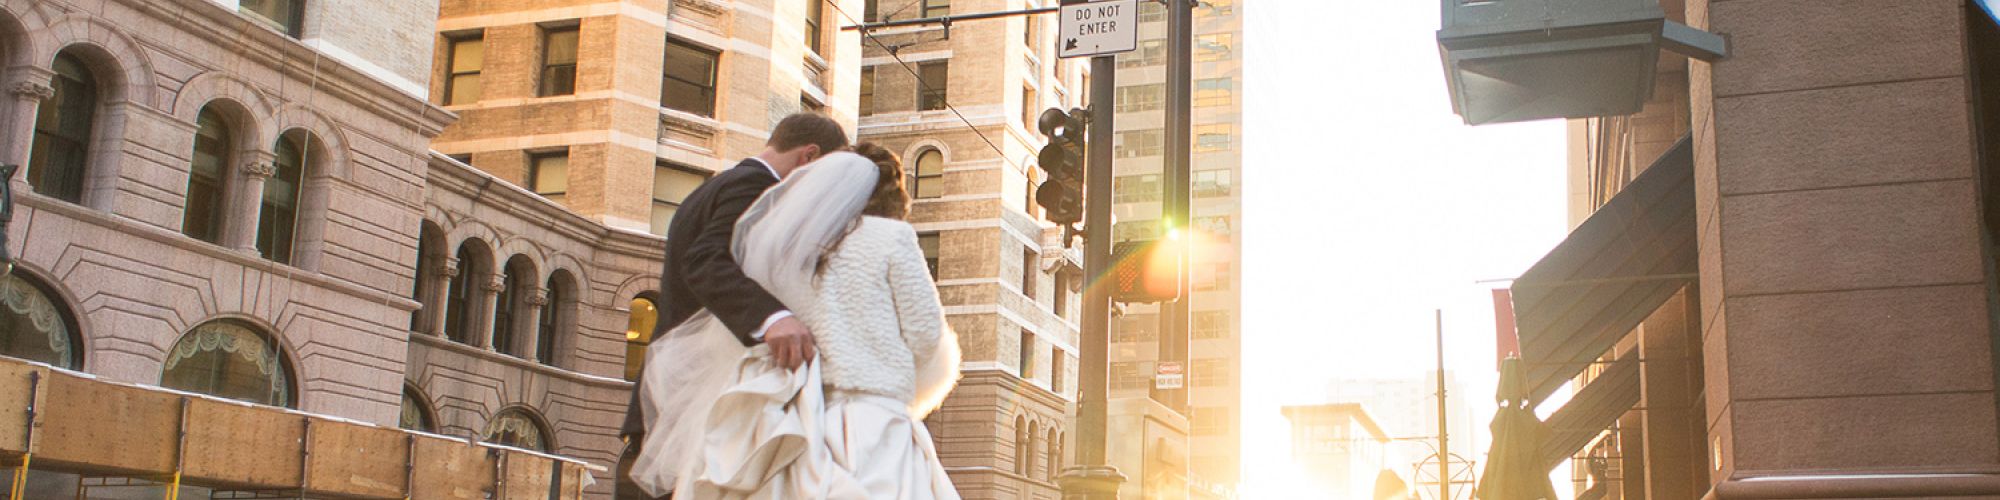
{"type": "Point", "coordinates": [791, 344]}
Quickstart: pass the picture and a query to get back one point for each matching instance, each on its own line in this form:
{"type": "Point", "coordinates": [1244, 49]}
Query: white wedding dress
{"type": "Point", "coordinates": [724, 423]}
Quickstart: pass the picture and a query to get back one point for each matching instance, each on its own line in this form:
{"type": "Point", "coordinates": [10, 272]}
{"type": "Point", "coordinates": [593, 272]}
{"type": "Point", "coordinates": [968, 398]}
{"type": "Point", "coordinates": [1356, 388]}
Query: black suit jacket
{"type": "Point", "coordinates": [700, 271]}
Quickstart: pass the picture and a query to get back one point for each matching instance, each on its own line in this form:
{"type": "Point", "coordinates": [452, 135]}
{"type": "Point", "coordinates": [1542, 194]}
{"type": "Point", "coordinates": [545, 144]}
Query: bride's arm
{"type": "Point", "coordinates": [915, 295]}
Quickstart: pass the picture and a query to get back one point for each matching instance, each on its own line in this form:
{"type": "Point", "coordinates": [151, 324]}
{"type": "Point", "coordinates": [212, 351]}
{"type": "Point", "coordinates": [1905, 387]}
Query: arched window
{"type": "Point", "coordinates": [927, 180]}
{"type": "Point", "coordinates": [63, 124]}
{"type": "Point", "coordinates": [277, 216]}
{"type": "Point", "coordinates": [35, 325]}
{"type": "Point", "coordinates": [556, 316]}
{"type": "Point", "coordinates": [230, 359]}
{"type": "Point", "coordinates": [430, 254]}
{"type": "Point", "coordinates": [201, 218]}
{"type": "Point", "coordinates": [1021, 445]}
{"type": "Point", "coordinates": [416, 411]}
{"type": "Point", "coordinates": [1055, 447]}
{"type": "Point", "coordinates": [518, 427]}
{"type": "Point", "coordinates": [1035, 446]}
{"type": "Point", "coordinates": [639, 325]}
{"type": "Point", "coordinates": [458, 296]}
{"type": "Point", "coordinates": [512, 306]}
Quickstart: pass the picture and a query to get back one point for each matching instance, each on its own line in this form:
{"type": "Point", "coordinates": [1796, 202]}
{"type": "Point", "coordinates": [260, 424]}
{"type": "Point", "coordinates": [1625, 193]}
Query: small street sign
{"type": "Point", "coordinates": [1167, 375]}
{"type": "Point", "coordinates": [1098, 28]}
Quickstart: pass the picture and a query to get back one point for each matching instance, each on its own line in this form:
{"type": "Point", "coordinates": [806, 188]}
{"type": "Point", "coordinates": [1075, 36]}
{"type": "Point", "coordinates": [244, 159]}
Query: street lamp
{"type": "Point", "coordinates": [1519, 60]}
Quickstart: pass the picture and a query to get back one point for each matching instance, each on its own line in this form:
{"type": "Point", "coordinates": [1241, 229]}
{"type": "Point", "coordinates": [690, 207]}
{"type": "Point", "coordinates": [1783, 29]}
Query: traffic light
{"type": "Point", "coordinates": [1062, 194]}
{"type": "Point", "coordinates": [1146, 270]}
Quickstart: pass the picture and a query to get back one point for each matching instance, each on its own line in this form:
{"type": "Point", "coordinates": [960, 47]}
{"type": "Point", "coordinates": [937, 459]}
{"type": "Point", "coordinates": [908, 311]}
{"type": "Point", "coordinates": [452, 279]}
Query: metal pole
{"type": "Point", "coordinates": [1093, 478]}
{"type": "Point", "coordinates": [1444, 449]}
{"type": "Point", "coordinates": [1177, 176]}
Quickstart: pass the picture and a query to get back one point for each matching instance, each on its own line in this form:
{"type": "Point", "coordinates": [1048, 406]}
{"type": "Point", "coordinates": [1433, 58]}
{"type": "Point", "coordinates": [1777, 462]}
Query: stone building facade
{"type": "Point", "coordinates": [959, 106]}
{"type": "Point", "coordinates": [1825, 324]}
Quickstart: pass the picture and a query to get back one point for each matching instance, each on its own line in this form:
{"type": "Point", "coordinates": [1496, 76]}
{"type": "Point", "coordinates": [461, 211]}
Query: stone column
{"type": "Point", "coordinates": [246, 193]}
{"type": "Point", "coordinates": [1845, 292]}
{"type": "Point", "coordinates": [29, 90]}
{"type": "Point", "coordinates": [432, 319]}
{"type": "Point", "coordinates": [489, 301]}
{"type": "Point", "coordinates": [538, 301]}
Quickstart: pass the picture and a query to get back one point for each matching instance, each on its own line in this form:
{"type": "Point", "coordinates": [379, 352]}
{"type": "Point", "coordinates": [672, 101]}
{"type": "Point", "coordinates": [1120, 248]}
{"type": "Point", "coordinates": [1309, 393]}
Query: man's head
{"type": "Point", "coordinates": [800, 139]}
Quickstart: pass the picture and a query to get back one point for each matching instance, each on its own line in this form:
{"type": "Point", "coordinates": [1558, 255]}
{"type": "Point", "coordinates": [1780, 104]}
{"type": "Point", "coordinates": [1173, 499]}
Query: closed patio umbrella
{"type": "Point", "coordinates": [1513, 470]}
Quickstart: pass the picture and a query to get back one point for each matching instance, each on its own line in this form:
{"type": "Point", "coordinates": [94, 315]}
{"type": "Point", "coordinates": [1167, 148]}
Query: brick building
{"type": "Point", "coordinates": [959, 104]}
{"type": "Point", "coordinates": [1802, 234]}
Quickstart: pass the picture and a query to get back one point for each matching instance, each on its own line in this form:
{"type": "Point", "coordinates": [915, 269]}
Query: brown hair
{"type": "Point", "coordinates": [889, 199]}
{"type": "Point", "coordinates": [808, 128]}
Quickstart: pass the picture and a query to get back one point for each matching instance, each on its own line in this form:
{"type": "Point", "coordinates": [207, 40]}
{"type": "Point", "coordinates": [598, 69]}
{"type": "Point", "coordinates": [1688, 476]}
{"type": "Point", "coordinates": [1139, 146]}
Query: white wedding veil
{"type": "Point", "coordinates": [778, 243]}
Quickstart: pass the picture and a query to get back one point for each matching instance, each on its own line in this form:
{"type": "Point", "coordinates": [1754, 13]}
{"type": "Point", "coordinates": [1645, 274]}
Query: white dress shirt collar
{"type": "Point", "coordinates": [768, 167]}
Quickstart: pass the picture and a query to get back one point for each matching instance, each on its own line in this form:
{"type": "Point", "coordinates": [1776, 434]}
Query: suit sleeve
{"type": "Point", "coordinates": [717, 280]}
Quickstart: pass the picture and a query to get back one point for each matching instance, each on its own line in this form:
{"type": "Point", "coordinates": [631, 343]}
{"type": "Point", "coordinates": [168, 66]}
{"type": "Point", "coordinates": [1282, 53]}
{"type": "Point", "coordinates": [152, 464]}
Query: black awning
{"type": "Point", "coordinates": [1609, 275]}
{"type": "Point", "coordinates": [1595, 408]}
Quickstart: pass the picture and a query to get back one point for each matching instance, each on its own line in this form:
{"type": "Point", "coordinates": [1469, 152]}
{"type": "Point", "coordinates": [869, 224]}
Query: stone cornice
{"type": "Point", "coordinates": [447, 176]}
{"type": "Point", "coordinates": [440, 343]}
{"type": "Point", "coordinates": [710, 7]}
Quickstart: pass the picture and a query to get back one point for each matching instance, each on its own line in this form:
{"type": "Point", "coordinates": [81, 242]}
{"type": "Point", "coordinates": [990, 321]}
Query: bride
{"type": "Point", "coordinates": [829, 242]}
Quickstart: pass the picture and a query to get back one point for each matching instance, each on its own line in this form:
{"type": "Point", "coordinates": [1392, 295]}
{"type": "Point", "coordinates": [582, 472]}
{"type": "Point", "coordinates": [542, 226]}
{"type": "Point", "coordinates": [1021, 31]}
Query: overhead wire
{"type": "Point", "coordinates": [925, 87]}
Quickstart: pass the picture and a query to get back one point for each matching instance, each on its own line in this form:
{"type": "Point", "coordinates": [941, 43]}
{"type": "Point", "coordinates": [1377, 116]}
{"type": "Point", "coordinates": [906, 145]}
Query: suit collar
{"type": "Point", "coordinates": [759, 163]}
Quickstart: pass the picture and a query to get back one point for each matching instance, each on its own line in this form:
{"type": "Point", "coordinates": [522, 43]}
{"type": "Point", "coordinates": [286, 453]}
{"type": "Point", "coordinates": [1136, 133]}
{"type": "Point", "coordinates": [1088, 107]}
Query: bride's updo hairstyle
{"type": "Point", "coordinates": [889, 200]}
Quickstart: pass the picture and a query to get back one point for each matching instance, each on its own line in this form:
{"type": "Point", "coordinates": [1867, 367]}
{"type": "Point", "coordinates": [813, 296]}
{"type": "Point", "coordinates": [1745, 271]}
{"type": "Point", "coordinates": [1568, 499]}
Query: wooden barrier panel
{"type": "Point", "coordinates": [528, 477]}
{"type": "Point", "coordinates": [97, 426]}
{"type": "Point", "coordinates": [241, 445]}
{"type": "Point", "coordinates": [449, 469]}
{"type": "Point", "coordinates": [357, 460]}
{"type": "Point", "coordinates": [17, 389]}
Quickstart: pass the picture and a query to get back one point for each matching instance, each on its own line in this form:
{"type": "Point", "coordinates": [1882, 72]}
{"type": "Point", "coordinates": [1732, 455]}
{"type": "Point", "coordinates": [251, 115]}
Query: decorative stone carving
{"type": "Point", "coordinates": [688, 131]}
{"type": "Point", "coordinates": [538, 297]}
{"type": "Point", "coordinates": [447, 269]}
{"type": "Point", "coordinates": [259, 169]}
{"type": "Point", "coordinates": [32, 91]}
{"type": "Point", "coordinates": [496, 283]}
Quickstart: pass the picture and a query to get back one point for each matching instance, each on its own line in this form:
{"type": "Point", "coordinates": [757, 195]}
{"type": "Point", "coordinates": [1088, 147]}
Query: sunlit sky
{"type": "Point", "coordinates": [1367, 205]}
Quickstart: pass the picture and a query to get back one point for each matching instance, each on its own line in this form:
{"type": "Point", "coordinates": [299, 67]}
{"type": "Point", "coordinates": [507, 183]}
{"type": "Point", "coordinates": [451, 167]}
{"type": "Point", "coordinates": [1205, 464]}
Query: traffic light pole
{"type": "Point", "coordinates": [1093, 478]}
{"type": "Point", "coordinates": [1178, 177]}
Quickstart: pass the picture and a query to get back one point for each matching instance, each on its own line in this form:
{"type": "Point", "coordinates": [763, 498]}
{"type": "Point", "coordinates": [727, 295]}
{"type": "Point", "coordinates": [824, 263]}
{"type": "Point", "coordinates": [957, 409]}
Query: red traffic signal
{"type": "Point", "coordinates": [1145, 271]}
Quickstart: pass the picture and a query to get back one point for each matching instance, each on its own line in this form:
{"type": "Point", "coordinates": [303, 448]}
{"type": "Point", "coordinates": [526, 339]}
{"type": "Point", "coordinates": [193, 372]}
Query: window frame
{"type": "Point", "coordinates": [535, 167]}
{"type": "Point", "coordinates": [544, 83]}
{"type": "Point", "coordinates": [865, 103]}
{"type": "Point", "coordinates": [933, 90]}
{"type": "Point", "coordinates": [936, 8]}
{"type": "Point", "coordinates": [65, 177]}
{"type": "Point", "coordinates": [658, 202]}
{"type": "Point", "coordinates": [815, 19]}
{"type": "Point", "coordinates": [707, 89]}
{"type": "Point", "coordinates": [209, 190]}
{"type": "Point", "coordinates": [917, 177]}
{"type": "Point", "coordinates": [452, 86]}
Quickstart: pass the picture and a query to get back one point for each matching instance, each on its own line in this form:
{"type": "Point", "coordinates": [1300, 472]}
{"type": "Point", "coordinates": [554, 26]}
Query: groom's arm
{"type": "Point", "coordinates": [717, 280]}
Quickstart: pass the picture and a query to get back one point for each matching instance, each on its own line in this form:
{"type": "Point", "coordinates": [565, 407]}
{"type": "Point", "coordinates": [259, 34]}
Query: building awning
{"type": "Point", "coordinates": [1611, 273]}
{"type": "Point", "coordinates": [1595, 408]}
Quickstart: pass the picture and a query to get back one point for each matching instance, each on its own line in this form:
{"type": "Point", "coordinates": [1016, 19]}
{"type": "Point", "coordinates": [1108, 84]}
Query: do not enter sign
{"type": "Point", "coordinates": [1098, 28]}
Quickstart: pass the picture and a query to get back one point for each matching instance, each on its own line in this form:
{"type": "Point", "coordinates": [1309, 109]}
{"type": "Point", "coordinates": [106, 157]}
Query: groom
{"type": "Point", "coordinates": [701, 273]}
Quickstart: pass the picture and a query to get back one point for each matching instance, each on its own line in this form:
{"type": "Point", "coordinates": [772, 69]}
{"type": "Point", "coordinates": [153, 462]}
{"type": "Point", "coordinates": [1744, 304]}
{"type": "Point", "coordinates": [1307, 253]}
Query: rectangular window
{"type": "Point", "coordinates": [671, 185]}
{"type": "Point", "coordinates": [1213, 183]}
{"type": "Point", "coordinates": [867, 105]}
{"type": "Point", "coordinates": [1211, 372]}
{"type": "Point", "coordinates": [815, 11]}
{"type": "Point", "coordinates": [1136, 328]}
{"type": "Point", "coordinates": [559, 61]}
{"type": "Point", "coordinates": [1210, 324]}
{"type": "Point", "coordinates": [1214, 47]}
{"type": "Point", "coordinates": [689, 83]}
{"type": "Point", "coordinates": [1152, 12]}
{"type": "Point", "coordinates": [461, 158]}
{"type": "Point", "coordinates": [1057, 363]}
{"type": "Point", "coordinates": [1136, 98]}
{"type": "Point", "coordinates": [1210, 92]}
{"type": "Point", "coordinates": [806, 103]}
{"type": "Point", "coordinates": [933, 82]}
{"type": "Point", "coordinates": [1027, 355]}
{"type": "Point", "coordinates": [1149, 53]}
{"type": "Point", "coordinates": [548, 175]}
{"type": "Point", "coordinates": [466, 58]}
{"type": "Point", "coordinates": [1061, 297]}
{"type": "Point", "coordinates": [1084, 96]}
{"type": "Point", "coordinates": [929, 244]}
{"type": "Point", "coordinates": [1137, 143]}
{"type": "Point", "coordinates": [1211, 276]}
{"type": "Point", "coordinates": [1029, 269]}
{"type": "Point", "coordinates": [1218, 225]}
{"type": "Point", "coordinates": [1028, 111]}
{"type": "Point", "coordinates": [1214, 137]}
{"type": "Point", "coordinates": [1128, 375]}
{"type": "Point", "coordinates": [1209, 420]}
{"type": "Point", "coordinates": [937, 8]}
{"type": "Point", "coordinates": [1030, 30]}
{"type": "Point", "coordinates": [1135, 188]}
{"type": "Point", "coordinates": [1135, 230]}
{"type": "Point", "coordinates": [871, 11]}
{"type": "Point", "coordinates": [287, 16]}
{"type": "Point", "coordinates": [1218, 8]}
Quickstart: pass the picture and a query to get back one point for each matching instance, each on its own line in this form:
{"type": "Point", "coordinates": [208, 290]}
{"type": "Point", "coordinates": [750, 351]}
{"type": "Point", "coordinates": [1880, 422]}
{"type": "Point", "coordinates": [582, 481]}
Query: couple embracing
{"type": "Point", "coordinates": [801, 340]}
